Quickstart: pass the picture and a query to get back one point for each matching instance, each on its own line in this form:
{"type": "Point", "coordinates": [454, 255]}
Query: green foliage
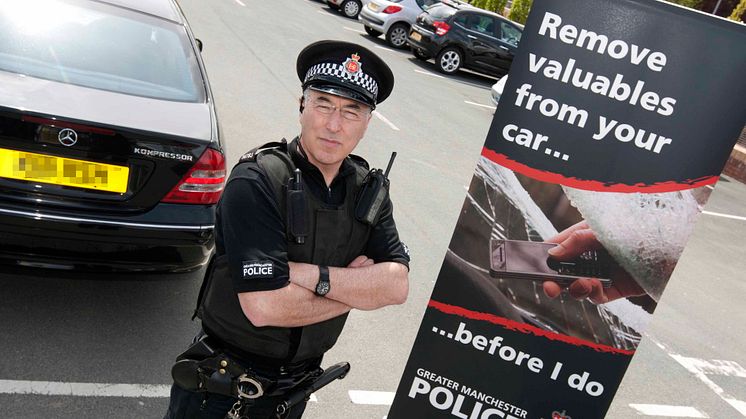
{"type": "Point", "coordinates": [496, 6]}
{"type": "Point", "coordinates": [519, 12]}
{"type": "Point", "coordinates": [739, 13]}
{"type": "Point", "coordinates": [693, 4]}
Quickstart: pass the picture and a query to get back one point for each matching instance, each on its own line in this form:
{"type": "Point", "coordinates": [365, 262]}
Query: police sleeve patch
{"type": "Point", "coordinates": [253, 269]}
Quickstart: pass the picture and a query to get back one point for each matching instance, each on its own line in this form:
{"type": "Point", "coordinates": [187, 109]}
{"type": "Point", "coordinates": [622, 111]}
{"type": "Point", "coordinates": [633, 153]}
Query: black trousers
{"type": "Point", "coordinates": [186, 404]}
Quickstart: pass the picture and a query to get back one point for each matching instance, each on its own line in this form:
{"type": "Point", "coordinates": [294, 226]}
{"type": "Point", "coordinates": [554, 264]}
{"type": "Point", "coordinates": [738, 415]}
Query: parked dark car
{"type": "Point", "coordinates": [110, 157]}
{"type": "Point", "coordinates": [459, 35]}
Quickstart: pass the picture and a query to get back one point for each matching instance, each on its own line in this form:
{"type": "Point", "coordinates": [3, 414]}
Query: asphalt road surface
{"type": "Point", "coordinates": [101, 346]}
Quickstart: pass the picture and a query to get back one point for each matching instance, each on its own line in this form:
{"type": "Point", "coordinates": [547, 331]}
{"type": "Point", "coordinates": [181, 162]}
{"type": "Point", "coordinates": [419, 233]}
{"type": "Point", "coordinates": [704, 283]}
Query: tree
{"type": "Point", "coordinates": [739, 13]}
{"type": "Point", "coordinates": [496, 6]}
{"type": "Point", "coordinates": [519, 12]}
{"type": "Point", "coordinates": [693, 4]}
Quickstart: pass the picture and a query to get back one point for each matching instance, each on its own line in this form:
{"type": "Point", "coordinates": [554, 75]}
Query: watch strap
{"type": "Point", "coordinates": [323, 277]}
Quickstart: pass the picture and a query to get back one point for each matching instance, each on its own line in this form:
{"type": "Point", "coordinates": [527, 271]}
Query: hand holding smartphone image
{"type": "Point", "coordinates": [574, 241]}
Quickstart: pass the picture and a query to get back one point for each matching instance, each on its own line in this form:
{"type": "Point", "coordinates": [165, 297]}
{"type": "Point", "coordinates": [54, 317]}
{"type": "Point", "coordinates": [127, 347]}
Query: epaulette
{"type": "Point", "coordinates": [250, 156]}
{"type": "Point", "coordinates": [360, 161]}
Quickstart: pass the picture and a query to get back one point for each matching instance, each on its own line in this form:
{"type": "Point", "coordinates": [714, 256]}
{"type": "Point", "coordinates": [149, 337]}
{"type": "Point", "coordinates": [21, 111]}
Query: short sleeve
{"type": "Point", "coordinates": [253, 234]}
{"type": "Point", "coordinates": [384, 244]}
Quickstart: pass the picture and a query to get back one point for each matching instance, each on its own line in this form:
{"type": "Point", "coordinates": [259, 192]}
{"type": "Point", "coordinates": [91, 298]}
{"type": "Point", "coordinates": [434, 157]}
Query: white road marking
{"type": "Point", "coordinates": [385, 49]}
{"type": "Point", "coordinates": [710, 186]}
{"type": "Point", "coordinates": [385, 121]}
{"type": "Point", "coordinates": [240, 3]}
{"type": "Point", "coordinates": [381, 398]}
{"type": "Point", "coordinates": [716, 367]}
{"type": "Point", "coordinates": [668, 411]}
{"type": "Point", "coordinates": [56, 388]}
{"type": "Point", "coordinates": [427, 73]}
{"type": "Point", "coordinates": [424, 163]}
{"type": "Point", "coordinates": [353, 30]}
{"type": "Point", "coordinates": [701, 367]}
{"type": "Point", "coordinates": [717, 214]}
{"type": "Point", "coordinates": [479, 104]}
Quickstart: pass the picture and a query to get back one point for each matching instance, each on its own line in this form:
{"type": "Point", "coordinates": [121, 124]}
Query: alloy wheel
{"type": "Point", "coordinates": [398, 37]}
{"type": "Point", "coordinates": [351, 9]}
{"type": "Point", "coordinates": [450, 61]}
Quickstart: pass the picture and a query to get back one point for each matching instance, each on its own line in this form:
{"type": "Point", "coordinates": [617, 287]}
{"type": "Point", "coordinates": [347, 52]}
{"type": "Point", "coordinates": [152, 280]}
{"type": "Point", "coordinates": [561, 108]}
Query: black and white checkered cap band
{"type": "Point", "coordinates": [338, 70]}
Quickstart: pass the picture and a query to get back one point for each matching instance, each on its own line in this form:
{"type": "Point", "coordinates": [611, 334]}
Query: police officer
{"type": "Point", "coordinates": [299, 245]}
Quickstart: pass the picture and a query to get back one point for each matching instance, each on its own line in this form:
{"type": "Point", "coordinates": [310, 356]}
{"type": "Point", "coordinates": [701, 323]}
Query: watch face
{"type": "Point", "coordinates": [322, 288]}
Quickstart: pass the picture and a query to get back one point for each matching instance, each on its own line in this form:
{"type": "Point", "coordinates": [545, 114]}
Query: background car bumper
{"type": "Point", "coordinates": [371, 20]}
{"type": "Point", "coordinates": [427, 43]}
{"type": "Point", "coordinates": [142, 243]}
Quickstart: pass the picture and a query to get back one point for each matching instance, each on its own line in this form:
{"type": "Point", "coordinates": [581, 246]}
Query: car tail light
{"type": "Point", "coordinates": [441, 28]}
{"type": "Point", "coordinates": [390, 10]}
{"type": "Point", "coordinates": [204, 182]}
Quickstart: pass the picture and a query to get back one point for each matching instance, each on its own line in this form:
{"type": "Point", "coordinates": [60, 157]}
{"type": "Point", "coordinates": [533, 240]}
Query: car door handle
{"type": "Point", "coordinates": [471, 37]}
{"type": "Point", "coordinates": [506, 49]}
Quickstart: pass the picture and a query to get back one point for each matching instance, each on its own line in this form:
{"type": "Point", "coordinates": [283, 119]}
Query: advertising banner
{"type": "Point", "coordinates": [616, 116]}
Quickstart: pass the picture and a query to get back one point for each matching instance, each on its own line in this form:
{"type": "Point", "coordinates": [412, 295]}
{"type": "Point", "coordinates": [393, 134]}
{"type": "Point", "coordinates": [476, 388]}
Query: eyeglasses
{"type": "Point", "coordinates": [348, 113]}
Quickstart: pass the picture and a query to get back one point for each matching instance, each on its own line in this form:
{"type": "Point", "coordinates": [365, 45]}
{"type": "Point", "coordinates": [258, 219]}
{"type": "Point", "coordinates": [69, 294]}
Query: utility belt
{"type": "Point", "coordinates": [207, 366]}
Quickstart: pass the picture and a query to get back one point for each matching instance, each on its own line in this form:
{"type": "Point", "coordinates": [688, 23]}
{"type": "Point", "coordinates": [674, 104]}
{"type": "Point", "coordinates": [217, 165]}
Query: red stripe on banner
{"type": "Point", "coordinates": [594, 185]}
{"type": "Point", "coordinates": [523, 328]}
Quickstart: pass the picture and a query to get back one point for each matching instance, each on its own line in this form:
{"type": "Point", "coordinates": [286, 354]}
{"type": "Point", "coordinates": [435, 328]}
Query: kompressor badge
{"type": "Point", "coordinates": [257, 270]}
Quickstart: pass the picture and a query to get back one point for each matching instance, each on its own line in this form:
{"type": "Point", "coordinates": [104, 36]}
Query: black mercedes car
{"type": "Point", "coordinates": [459, 35]}
{"type": "Point", "coordinates": [110, 157]}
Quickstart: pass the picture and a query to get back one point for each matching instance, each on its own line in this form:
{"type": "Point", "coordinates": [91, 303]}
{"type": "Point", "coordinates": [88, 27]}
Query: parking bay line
{"type": "Point", "coordinates": [380, 398]}
{"type": "Point", "coordinates": [385, 121]}
{"type": "Point", "coordinates": [427, 73]}
{"type": "Point", "coordinates": [57, 388]}
{"type": "Point", "coordinates": [385, 49]}
{"type": "Point", "coordinates": [353, 30]}
{"type": "Point", "coordinates": [479, 104]}
{"type": "Point", "coordinates": [668, 411]}
{"type": "Point", "coordinates": [717, 214]}
{"type": "Point", "coordinates": [700, 368]}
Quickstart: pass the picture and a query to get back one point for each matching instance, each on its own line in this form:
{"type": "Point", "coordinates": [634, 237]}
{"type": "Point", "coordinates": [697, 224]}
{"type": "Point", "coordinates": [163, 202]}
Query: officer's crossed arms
{"type": "Point", "coordinates": [362, 285]}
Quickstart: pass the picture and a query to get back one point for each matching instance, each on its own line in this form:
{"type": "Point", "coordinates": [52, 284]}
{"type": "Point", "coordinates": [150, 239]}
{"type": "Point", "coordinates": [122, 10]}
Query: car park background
{"type": "Point", "coordinates": [64, 327]}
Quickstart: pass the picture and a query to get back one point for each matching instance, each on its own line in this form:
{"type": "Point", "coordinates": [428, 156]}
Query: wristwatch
{"type": "Point", "coordinates": [323, 286]}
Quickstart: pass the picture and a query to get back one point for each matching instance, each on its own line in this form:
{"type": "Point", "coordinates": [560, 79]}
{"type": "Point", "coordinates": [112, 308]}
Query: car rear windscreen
{"type": "Point", "coordinates": [441, 11]}
{"type": "Point", "coordinates": [100, 46]}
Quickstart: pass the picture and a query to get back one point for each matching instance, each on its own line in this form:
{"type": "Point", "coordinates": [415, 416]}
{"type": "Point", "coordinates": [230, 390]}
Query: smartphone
{"type": "Point", "coordinates": [517, 259]}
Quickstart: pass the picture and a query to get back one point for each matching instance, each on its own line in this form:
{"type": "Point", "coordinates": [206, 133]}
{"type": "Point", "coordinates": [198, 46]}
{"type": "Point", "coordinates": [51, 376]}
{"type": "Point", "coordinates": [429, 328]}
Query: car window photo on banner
{"type": "Point", "coordinates": [591, 179]}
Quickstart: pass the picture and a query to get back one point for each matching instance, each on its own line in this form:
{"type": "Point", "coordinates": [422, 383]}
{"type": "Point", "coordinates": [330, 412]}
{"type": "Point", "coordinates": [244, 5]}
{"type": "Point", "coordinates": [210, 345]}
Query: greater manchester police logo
{"type": "Point", "coordinates": [352, 65]}
{"type": "Point", "coordinates": [257, 270]}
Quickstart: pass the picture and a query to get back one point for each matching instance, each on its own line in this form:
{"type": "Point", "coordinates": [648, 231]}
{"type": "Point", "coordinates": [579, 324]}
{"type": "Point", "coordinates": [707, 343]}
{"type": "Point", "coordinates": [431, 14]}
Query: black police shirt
{"type": "Point", "coordinates": [251, 230]}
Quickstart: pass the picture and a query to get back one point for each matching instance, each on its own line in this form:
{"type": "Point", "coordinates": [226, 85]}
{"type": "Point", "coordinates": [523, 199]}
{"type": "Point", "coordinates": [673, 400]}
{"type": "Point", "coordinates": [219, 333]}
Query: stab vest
{"type": "Point", "coordinates": [334, 238]}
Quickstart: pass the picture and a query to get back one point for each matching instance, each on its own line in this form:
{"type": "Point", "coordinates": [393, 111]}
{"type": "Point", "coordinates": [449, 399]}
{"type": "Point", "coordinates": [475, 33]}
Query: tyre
{"type": "Point", "coordinates": [419, 54]}
{"type": "Point", "coordinates": [351, 8]}
{"type": "Point", "coordinates": [372, 32]}
{"type": "Point", "coordinates": [397, 35]}
{"type": "Point", "coordinates": [449, 60]}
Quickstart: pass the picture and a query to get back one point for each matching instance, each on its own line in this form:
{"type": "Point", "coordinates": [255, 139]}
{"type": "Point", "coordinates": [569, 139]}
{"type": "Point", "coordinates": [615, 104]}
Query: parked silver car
{"type": "Point", "coordinates": [393, 18]}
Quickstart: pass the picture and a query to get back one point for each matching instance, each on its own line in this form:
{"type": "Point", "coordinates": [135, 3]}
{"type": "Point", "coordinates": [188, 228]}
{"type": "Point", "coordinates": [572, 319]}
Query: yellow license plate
{"type": "Point", "coordinates": [372, 6]}
{"type": "Point", "coordinates": [416, 36]}
{"type": "Point", "coordinates": [35, 167]}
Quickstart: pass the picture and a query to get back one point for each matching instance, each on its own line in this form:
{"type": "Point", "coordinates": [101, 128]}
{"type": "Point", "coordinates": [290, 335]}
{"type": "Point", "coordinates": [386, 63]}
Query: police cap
{"type": "Point", "coordinates": [345, 69]}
